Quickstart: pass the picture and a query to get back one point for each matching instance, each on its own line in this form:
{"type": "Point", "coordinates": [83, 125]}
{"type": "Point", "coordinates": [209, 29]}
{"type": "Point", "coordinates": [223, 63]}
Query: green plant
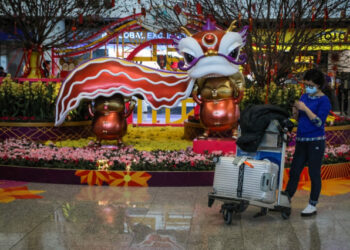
{"type": "Point", "coordinates": [281, 95]}
{"type": "Point", "coordinates": [33, 101]}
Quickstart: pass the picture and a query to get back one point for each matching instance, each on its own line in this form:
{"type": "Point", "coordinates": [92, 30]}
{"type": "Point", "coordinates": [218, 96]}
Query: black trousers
{"type": "Point", "coordinates": [343, 97]}
{"type": "Point", "coordinates": [308, 153]}
{"type": "Point", "coordinates": [345, 103]}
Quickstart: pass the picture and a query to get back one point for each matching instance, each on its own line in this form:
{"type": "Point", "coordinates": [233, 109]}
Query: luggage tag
{"type": "Point", "coordinates": [238, 161]}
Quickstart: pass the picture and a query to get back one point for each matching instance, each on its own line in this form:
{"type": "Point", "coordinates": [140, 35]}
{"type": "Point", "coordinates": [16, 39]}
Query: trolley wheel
{"type": "Point", "coordinates": [210, 201]}
{"type": "Point", "coordinates": [285, 212]}
{"type": "Point", "coordinates": [227, 216]}
{"type": "Point", "coordinates": [241, 207]}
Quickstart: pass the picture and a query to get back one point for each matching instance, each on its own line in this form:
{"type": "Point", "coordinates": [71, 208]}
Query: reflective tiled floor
{"type": "Point", "coordinates": [88, 217]}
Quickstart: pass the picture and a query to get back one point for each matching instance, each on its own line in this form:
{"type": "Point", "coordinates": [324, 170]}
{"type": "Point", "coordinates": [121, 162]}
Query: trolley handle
{"type": "Point", "coordinates": [286, 126]}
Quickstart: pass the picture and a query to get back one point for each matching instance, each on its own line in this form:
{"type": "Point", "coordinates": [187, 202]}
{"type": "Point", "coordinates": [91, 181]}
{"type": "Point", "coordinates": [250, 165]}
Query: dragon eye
{"type": "Point", "coordinates": [188, 58]}
{"type": "Point", "coordinates": [234, 53]}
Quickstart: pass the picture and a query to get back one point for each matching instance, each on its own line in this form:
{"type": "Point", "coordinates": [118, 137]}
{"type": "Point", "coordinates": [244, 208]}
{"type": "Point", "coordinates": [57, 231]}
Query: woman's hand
{"type": "Point", "coordinates": [300, 105]}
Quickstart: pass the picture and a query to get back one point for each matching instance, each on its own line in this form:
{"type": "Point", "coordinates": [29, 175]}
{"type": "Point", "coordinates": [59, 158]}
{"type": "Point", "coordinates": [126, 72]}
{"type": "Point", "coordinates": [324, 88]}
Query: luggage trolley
{"type": "Point", "coordinates": [253, 178]}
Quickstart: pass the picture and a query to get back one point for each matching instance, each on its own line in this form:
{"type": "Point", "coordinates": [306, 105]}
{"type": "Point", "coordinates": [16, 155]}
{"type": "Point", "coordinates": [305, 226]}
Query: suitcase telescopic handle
{"type": "Point", "coordinates": [272, 183]}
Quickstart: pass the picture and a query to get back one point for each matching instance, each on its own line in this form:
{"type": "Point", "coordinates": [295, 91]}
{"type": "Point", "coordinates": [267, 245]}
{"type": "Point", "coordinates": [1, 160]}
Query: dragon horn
{"type": "Point", "coordinates": [187, 32]}
{"type": "Point", "coordinates": [232, 26]}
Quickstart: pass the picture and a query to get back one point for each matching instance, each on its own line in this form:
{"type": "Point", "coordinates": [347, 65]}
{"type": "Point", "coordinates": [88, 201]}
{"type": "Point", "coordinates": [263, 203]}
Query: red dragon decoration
{"type": "Point", "coordinates": [211, 53]}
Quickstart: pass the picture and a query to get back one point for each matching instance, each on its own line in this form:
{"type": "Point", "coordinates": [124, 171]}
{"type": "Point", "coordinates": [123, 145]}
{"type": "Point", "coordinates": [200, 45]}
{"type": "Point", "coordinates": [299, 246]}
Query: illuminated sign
{"type": "Point", "coordinates": [145, 36]}
{"type": "Point", "coordinates": [332, 36]}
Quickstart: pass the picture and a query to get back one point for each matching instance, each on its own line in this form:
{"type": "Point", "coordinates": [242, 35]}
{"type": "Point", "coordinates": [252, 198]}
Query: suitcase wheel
{"type": "Point", "coordinates": [285, 212]}
{"type": "Point", "coordinates": [227, 214]}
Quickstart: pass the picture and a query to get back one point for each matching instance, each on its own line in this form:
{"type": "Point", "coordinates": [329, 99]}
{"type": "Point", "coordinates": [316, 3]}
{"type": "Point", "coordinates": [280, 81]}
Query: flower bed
{"type": "Point", "coordinates": [333, 154]}
{"type": "Point", "coordinates": [128, 166]}
{"type": "Point", "coordinates": [26, 153]}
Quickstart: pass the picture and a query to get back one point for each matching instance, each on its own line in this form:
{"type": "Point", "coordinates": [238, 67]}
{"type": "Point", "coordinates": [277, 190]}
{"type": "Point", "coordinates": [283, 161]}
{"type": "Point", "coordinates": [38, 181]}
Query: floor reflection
{"type": "Point", "coordinates": [88, 217]}
{"type": "Point", "coordinates": [126, 212]}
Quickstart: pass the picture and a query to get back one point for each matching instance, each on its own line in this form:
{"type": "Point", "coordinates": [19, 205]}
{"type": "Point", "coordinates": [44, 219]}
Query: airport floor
{"type": "Point", "coordinates": [55, 216]}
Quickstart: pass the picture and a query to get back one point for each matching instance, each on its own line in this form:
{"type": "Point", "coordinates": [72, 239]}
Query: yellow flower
{"type": "Point", "coordinates": [330, 118]}
{"type": "Point", "coordinates": [142, 138]}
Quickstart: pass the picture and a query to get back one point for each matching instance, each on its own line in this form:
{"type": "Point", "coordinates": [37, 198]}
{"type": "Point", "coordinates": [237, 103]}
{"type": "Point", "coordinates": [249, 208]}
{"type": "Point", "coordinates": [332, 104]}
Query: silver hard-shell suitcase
{"type": "Point", "coordinates": [238, 185]}
{"type": "Point", "coordinates": [248, 179]}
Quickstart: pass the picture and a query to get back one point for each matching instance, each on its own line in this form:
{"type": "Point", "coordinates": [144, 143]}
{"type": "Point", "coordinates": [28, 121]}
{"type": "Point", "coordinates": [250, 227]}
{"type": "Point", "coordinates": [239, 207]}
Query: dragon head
{"type": "Point", "coordinates": [212, 52]}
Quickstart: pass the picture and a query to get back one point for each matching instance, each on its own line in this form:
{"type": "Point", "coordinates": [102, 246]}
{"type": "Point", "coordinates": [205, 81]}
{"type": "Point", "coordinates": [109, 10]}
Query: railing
{"type": "Point", "coordinates": [20, 79]}
{"type": "Point", "coordinates": [168, 122]}
{"type": "Point", "coordinates": [39, 79]}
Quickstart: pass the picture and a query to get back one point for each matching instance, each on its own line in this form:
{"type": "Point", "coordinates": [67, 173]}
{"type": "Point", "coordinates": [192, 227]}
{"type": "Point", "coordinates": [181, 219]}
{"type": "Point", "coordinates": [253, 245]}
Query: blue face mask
{"type": "Point", "coordinates": [310, 90]}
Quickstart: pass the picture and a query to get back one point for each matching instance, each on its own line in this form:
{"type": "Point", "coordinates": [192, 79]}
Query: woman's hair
{"type": "Point", "coordinates": [316, 76]}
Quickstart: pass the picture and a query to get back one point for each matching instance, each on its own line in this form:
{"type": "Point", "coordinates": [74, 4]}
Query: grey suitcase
{"type": "Point", "coordinates": [234, 179]}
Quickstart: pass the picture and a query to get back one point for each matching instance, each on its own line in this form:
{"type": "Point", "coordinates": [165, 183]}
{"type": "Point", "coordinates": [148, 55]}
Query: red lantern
{"type": "Point", "coordinates": [113, 3]}
{"type": "Point", "coordinates": [212, 18]}
{"type": "Point", "coordinates": [281, 20]}
{"type": "Point", "coordinates": [313, 13]}
{"type": "Point", "coordinates": [81, 18]}
{"type": "Point", "coordinates": [199, 9]}
{"type": "Point", "coordinates": [346, 35]}
{"type": "Point", "coordinates": [74, 29]}
{"type": "Point", "coordinates": [253, 7]}
{"type": "Point", "coordinates": [239, 19]}
{"type": "Point", "coordinates": [318, 59]}
{"type": "Point", "coordinates": [275, 68]}
{"type": "Point", "coordinates": [325, 13]}
{"type": "Point", "coordinates": [250, 23]}
{"type": "Point", "coordinates": [246, 69]}
{"type": "Point", "coordinates": [325, 10]}
{"type": "Point", "coordinates": [292, 24]}
{"type": "Point", "coordinates": [143, 11]}
{"type": "Point", "coordinates": [177, 9]}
